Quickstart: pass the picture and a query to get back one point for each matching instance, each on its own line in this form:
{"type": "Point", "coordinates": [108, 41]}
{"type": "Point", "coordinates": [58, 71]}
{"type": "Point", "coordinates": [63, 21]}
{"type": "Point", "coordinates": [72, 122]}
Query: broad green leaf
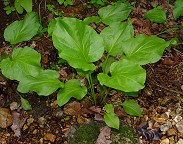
{"type": "Point", "coordinates": [109, 108]}
{"type": "Point", "coordinates": [72, 88]}
{"type": "Point", "coordinates": [91, 19]}
{"type": "Point", "coordinates": [157, 15]}
{"type": "Point", "coordinates": [25, 104]}
{"type": "Point", "coordinates": [18, 7]}
{"type": "Point", "coordinates": [178, 9]}
{"type": "Point", "coordinates": [144, 49]}
{"type": "Point", "coordinates": [43, 84]}
{"type": "Point", "coordinates": [115, 34]}
{"type": "Point", "coordinates": [51, 26]}
{"type": "Point", "coordinates": [77, 43]}
{"type": "Point", "coordinates": [125, 76]}
{"type": "Point", "coordinates": [23, 30]}
{"type": "Point", "coordinates": [24, 61]}
{"type": "Point", "coordinates": [132, 108]}
{"type": "Point", "coordinates": [110, 118]}
{"type": "Point", "coordinates": [115, 13]}
{"type": "Point", "coordinates": [26, 4]}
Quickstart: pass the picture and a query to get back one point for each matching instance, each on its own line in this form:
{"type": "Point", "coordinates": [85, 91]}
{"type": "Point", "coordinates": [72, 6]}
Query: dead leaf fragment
{"type": "Point", "coordinates": [104, 136]}
{"type": "Point", "coordinates": [5, 118]}
{"type": "Point", "coordinates": [72, 109]}
{"type": "Point", "coordinates": [50, 137]}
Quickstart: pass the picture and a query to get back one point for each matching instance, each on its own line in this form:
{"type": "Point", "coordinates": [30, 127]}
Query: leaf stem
{"type": "Point", "coordinates": [89, 77]}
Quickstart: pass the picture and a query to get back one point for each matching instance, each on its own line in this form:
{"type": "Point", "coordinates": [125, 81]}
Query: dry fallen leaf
{"type": "Point", "coordinates": [72, 108]}
{"type": "Point", "coordinates": [17, 124]}
{"type": "Point", "coordinates": [5, 118]}
{"type": "Point", "coordinates": [104, 136]}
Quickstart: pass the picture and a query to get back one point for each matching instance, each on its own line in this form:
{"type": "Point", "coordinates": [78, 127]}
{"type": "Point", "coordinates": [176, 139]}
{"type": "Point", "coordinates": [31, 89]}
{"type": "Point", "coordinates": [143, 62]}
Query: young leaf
{"type": "Point", "coordinates": [44, 84]}
{"type": "Point", "coordinates": [115, 34]}
{"type": "Point", "coordinates": [91, 19]}
{"type": "Point", "coordinates": [72, 88]}
{"type": "Point", "coordinates": [144, 49]}
{"type": "Point", "coordinates": [25, 104]}
{"type": "Point", "coordinates": [77, 43]}
{"type": "Point", "coordinates": [18, 7]}
{"type": "Point", "coordinates": [157, 15]}
{"type": "Point", "coordinates": [110, 118]}
{"type": "Point", "coordinates": [26, 4]}
{"type": "Point", "coordinates": [132, 108]}
{"type": "Point", "coordinates": [22, 30]}
{"type": "Point", "coordinates": [24, 61]}
{"type": "Point", "coordinates": [178, 9]}
{"type": "Point", "coordinates": [126, 76]}
{"type": "Point", "coordinates": [115, 13]}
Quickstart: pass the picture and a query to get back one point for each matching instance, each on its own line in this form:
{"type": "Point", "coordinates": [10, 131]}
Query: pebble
{"type": "Point", "coordinates": [180, 141]}
{"type": "Point", "coordinates": [165, 141]}
{"type": "Point", "coordinates": [5, 118]}
{"type": "Point", "coordinates": [172, 132]}
{"type": "Point", "coordinates": [179, 126]}
{"type": "Point", "coordinates": [14, 106]}
{"type": "Point", "coordinates": [177, 118]}
{"type": "Point", "coordinates": [164, 127]}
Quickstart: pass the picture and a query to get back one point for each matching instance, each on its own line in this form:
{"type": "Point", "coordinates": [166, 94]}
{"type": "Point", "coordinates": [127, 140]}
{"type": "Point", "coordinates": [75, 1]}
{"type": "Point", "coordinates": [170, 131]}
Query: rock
{"type": "Point", "coordinates": [165, 141]}
{"type": "Point", "coordinates": [177, 118]}
{"type": "Point", "coordinates": [180, 141]}
{"type": "Point", "coordinates": [172, 132]}
{"type": "Point", "coordinates": [179, 126]}
{"type": "Point", "coordinates": [14, 106]}
{"type": "Point", "coordinates": [164, 127]}
{"type": "Point", "coordinates": [5, 118]}
{"type": "Point", "coordinates": [50, 137]}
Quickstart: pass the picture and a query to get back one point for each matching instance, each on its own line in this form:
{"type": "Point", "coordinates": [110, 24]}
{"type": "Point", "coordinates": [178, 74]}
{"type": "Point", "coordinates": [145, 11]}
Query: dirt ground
{"type": "Point", "coordinates": [161, 99]}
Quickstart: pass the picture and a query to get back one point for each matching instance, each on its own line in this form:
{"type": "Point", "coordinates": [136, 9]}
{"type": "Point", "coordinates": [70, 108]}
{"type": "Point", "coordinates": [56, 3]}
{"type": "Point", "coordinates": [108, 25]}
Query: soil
{"type": "Point", "coordinates": [48, 123]}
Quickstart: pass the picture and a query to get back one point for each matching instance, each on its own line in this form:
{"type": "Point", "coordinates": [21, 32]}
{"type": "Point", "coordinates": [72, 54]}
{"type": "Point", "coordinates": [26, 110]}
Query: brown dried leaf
{"type": "Point", "coordinates": [72, 108]}
{"type": "Point", "coordinates": [50, 137]}
{"type": "Point", "coordinates": [104, 136]}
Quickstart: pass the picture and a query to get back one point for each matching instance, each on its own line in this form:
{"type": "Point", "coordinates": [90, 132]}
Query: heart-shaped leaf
{"type": "Point", "coordinates": [110, 118]}
{"type": "Point", "coordinates": [125, 76]}
{"type": "Point", "coordinates": [178, 9]}
{"type": "Point", "coordinates": [132, 107]}
{"type": "Point", "coordinates": [115, 34]}
{"type": "Point", "coordinates": [92, 19]}
{"type": "Point", "coordinates": [22, 30]}
{"type": "Point", "coordinates": [72, 88]}
{"type": "Point", "coordinates": [144, 49]}
{"type": "Point", "coordinates": [24, 61]}
{"type": "Point", "coordinates": [156, 15]}
{"type": "Point", "coordinates": [43, 84]}
{"type": "Point", "coordinates": [115, 13]}
{"type": "Point", "coordinates": [77, 43]}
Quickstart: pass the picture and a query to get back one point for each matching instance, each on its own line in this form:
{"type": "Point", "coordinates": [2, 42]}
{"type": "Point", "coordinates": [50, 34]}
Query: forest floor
{"type": "Point", "coordinates": [81, 121]}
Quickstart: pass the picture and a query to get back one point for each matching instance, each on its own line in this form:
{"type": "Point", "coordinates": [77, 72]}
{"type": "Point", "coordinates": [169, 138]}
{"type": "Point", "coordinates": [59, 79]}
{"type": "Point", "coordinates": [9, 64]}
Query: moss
{"type": "Point", "coordinates": [125, 135]}
{"type": "Point", "coordinates": [86, 133]}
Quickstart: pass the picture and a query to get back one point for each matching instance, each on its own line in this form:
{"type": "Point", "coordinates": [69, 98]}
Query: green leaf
{"type": "Point", "coordinates": [24, 61]}
{"type": "Point", "coordinates": [115, 13]}
{"type": "Point", "coordinates": [72, 88]}
{"type": "Point", "coordinates": [91, 19]}
{"type": "Point", "coordinates": [110, 118]}
{"type": "Point", "coordinates": [115, 34]}
{"type": "Point", "coordinates": [22, 30]}
{"type": "Point", "coordinates": [26, 4]}
{"type": "Point", "coordinates": [144, 49]}
{"type": "Point", "coordinates": [25, 104]}
{"type": "Point", "coordinates": [157, 15]}
{"type": "Point", "coordinates": [125, 76]}
{"type": "Point", "coordinates": [44, 84]}
{"type": "Point", "coordinates": [77, 43]}
{"type": "Point", "coordinates": [178, 9]}
{"type": "Point", "coordinates": [132, 108]}
{"type": "Point", "coordinates": [18, 7]}
{"type": "Point", "coordinates": [107, 63]}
